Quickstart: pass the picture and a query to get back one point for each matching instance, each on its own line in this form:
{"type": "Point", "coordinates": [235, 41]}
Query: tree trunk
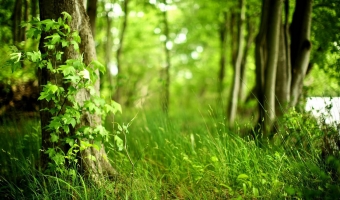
{"type": "Point", "coordinates": [283, 80]}
{"type": "Point", "coordinates": [223, 56]}
{"type": "Point", "coordinates": [232, 109]}
{"type": "Point", "coordinates": [80, 22]}
{"type": "Point", "coordinates": [261, 60]}
{"type": "Point", "coordinates": [120, 50]}
{"type": "Point", "coordinates": [243, 79]}
{"type": "Point", "coordinates": [165, 93]}
{"type": "Point", "coordinates": [300, 46]}
{"type": "Point", "coordinates": [16, 19]}
{"type": "Point", "coordinates": [271, 67]}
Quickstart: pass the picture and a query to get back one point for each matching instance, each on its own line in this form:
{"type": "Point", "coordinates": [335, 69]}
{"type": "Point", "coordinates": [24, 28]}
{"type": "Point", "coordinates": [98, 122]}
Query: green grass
{"type": "Point", "coordinates": [190, 156]}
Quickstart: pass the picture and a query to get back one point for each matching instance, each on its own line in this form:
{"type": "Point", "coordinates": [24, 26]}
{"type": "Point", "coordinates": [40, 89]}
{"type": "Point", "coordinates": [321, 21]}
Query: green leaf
{"type": "Point", "coordinates": [70, 141]}
{"type": "Point", "coordinates": [64, 43]}
{"type": "Point", "coordinates": [76, 37]}
{"type": "Point", "coordinates": [34, 56]}
{"type": "Point", "coordinates": [67, 70]}
{"type": "Point", "coordinates": [67, 17]}
{"type": "Point", "coordinates": [214, 159]}
{"type": "Point", "coordinates": [54, 137]}
{"type": "Point", "coordinates": [91, 157]}
{"type": "Point", "coordinates": [242, 177]}
{"type": "Point", "coordinates": [98, 65]}
{"type": "Point", "coordinates": [116, 106]}
{"type": "Point", "coordinates": [119, 143]}
{"type": "Point", "coordinates": [49, 23]}
{"type": "Point", "coordinates": [75, 45]}
{"type": "Point", "coordinates": [59, 54]}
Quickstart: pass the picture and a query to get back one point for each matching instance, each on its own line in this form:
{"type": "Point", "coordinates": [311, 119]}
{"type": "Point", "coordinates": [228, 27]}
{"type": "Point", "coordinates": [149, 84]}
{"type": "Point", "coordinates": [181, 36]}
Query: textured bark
{"type": "Point", "coordinates": [232, 109]}
{"type": "Point", "coordinates": [80, 22]}
{"type": "Point", "coordinates": [271, 65]}
{"type": "Point", "coordinates": [17, 16]}
{"type": "Point", "coordinates": [282, 88]}
{"type": "Point", "coordinates": [300, 46]}
{"type": "Point", "coordinates": [283, 80]}
{"type": "Point", "coordinates": [261, 58]}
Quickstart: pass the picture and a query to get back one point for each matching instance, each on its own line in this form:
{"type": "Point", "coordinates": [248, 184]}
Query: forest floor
{"type": "Point", "coordinates": [187, 156]}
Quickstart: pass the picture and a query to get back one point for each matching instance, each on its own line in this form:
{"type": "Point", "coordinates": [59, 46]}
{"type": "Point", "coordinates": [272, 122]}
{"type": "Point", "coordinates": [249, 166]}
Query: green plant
{"type": "Point", "coordinates": [67, 111]}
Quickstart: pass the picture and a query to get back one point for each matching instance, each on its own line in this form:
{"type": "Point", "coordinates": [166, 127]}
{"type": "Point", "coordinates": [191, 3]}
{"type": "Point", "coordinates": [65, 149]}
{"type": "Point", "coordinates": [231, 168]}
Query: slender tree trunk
{"type": "Point", "coordinates": [16, 19]}
{"type": "Point", "coordinates": [271, 67]}
{"type": "Point", "coordinates": [300, 46]}
{"type": "Point", "coordinates": [283, 80]}
{"type": "Point", "coordinates": [120, 50]}
{"type": "Point", "coordinates": [80, 22]}
{"type": "Point", "coordinates": [34, 8]}
{"type": "Point", "coordinates": [243, 79]}
{"type": "Point", "coordinates": [165, 96]}
{"type": "Point", "coordinates": [223, 54]}
{"type": "Point", "coordinates": [237, 67]}
{"type": "Point", "coordinates": [261, 59]}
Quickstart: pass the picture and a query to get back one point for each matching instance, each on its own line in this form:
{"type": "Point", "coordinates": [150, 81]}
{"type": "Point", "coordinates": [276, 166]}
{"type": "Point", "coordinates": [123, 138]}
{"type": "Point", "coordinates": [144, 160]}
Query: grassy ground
{"type": "Point", "coordinates": [190, 156]}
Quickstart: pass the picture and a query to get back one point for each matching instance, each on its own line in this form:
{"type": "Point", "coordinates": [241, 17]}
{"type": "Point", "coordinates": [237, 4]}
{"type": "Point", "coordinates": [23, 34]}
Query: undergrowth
{"type": "Point", "coordinates": [178, 157]}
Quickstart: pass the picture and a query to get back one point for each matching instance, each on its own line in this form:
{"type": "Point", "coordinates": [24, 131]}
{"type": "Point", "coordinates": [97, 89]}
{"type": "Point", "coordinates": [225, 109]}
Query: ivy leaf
{"type": "Point", "coordinates": [75, 45]}
{"type": "Point", "coordinates": [34, 56]}
{"type": "Point", "coordinates": [67, 17]}
{"type": "Point", "coordinates": [64, 43]}
{"type": "Point", "coordinates": [76, 37]}
{"type": "Point", "coordinates": [58, 55]}
{"type": "Point", "coordinates": [70, 141]}
{"type": "Point", "coordinates": [116, 106]}
{"type": "Point", "coordinates": [67, 70]}
{"type": "Point", "coordinates": [54, 137]}
{"type": "Point", "coordinates": [55, 38]}
{"type": "Point", "coordinates": [49, 23]}
{"type": "Point", "coordinates": [98, 65]}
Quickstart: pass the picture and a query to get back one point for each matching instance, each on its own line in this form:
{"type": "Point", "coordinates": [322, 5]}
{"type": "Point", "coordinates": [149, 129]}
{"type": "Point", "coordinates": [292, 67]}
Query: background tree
{"type": "Point", "coordinates": [267, 57]}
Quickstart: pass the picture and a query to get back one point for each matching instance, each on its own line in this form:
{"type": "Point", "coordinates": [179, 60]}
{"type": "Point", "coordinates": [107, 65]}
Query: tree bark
{"type": "Point", "coordinates": [232, 109]}
{"type": "Point", "coordinates": [300, 46]}
{"type": "Point", "coordinates": [16, 19]}
{"type": "Point", "coordinates": [283, 80]}
{"type": "Point", "coordinates": [271, 65]}
{"type": "Point", "coordinates": [80, 22]}
{"type": "Point", "coordinates": [261, 59]}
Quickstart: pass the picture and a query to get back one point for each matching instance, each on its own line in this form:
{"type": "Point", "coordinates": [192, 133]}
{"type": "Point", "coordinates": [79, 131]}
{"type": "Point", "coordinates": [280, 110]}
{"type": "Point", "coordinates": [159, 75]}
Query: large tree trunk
{"type": "Point", "coordinates": [232, 109]}
{"type": "Point", "coordinates": [281, 67]}
{"type": "Point", "coordinates": [80, 22]}
{"type": "Point", "coordinates": [300, 46]}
